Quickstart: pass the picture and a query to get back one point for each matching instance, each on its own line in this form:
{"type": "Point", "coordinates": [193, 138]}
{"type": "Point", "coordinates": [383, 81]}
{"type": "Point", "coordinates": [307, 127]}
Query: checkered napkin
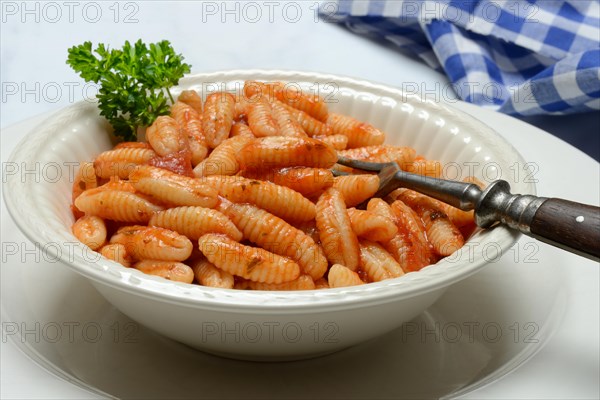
{"type": "Point", "coordinates": [518, 57]}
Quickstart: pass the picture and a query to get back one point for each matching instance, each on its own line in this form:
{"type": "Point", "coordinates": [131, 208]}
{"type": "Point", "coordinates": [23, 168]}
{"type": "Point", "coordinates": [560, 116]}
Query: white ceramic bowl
{"type": "Point", "coordinates": [264, 325]}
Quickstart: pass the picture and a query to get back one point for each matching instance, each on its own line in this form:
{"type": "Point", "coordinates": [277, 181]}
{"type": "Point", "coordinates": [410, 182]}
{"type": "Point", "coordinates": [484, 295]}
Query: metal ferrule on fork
{"type": "Point", "coordinates": [514, 210]}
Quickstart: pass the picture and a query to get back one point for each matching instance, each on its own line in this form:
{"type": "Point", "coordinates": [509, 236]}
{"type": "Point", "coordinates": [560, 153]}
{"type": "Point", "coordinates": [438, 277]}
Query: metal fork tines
{"type": "Point", "coordinates": [391, 177]}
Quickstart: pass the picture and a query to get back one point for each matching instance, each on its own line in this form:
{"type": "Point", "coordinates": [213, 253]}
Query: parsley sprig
{"type": "Point", "coordinates": [134, 81]}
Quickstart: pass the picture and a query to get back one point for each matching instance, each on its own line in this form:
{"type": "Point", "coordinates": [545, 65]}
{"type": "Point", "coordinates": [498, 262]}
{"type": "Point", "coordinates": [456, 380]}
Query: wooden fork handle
{"type": "Point", "coordinates": [569, 225]}
{"type": "Point", "coordinates": [562, 223]}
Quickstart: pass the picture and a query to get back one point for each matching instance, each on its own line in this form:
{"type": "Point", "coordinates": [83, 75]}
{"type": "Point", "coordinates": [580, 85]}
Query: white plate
{"type": "Point", "coordinates": [408, 362]}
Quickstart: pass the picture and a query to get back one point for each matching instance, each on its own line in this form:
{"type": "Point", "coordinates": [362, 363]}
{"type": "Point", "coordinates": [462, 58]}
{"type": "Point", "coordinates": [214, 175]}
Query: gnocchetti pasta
{"type": "Point", "coordinates": [237, 192]}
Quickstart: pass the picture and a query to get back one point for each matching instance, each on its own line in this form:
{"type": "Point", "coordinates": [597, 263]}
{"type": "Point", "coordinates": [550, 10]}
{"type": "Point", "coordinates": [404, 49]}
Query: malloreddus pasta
{"type": "Point", "coordinates": [237, 192]}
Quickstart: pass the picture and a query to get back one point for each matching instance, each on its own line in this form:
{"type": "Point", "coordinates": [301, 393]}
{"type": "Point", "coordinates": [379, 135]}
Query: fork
{"type": "Point", "coordinates": [571, 226]}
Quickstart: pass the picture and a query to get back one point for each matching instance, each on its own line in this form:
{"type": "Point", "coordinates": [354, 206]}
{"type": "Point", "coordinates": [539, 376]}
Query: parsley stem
{"type": "Point", "coordinates": [171, 97]}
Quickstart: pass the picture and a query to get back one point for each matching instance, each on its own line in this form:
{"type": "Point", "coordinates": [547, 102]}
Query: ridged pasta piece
{"type": "Point", "coordinates": [409, 219]}
{"type": "Point", "coordinates": [413, 230]}
{"type": "Point", "coordinates": [290, 94]}
{"type": "Point", "coordinates": [311, 104]}
{"type": "Point", "coordinates": [375, 252]}
{"type": "Point", "coordinates": [338, 142]}
{"type": "Point", "coordinates": [171, 270]}
{"type": "Point", "coordinates": [132, 145]}
{"type": "Point", "coordinates": [441, 232]}
{"type": "Point", "coordinates": [207, 274]}
{"type": "Point", "coordinates": [383, 209]}
{"type": "Point", "coordinates": [458, 217]}
{"type": "Point", "coordinates": [121, 161]}
{"type": "Point", "coordinates": [313, 127]}
{"type": "Point", "coordinates": [117, 253]}
{"type": "Point", "coordinates": [168, 139]}
{"type": "Point", "coordinates": [335, 230]}
{"type": "Point", "coordinates": [239, 129]}
{"type": "Point", "coordinates": [356, 188]}
{"type": "Point", "coordinates": [165, 136]}
{"type": "Point", "coordinates": [410, 256]}
{"type": "Point", "coordinates": [171, 188]}
{"type": "Point", "coordinates": [194, 222]}
{"type": "Point", "coordinates": [377, 262]}
{"type": "Point", "coordinates": [380, 207]}
{"type": "Point", "coordinates": [153, 243]}
{"type": "Point", "coordinates": [190, 123]}
{"type": "Point", "coordinates": [304, 282]}
{"type": "Point", "coordinates": [260, 119]}
{"type": "Point", "coordinates": [279, 151]}
{"type": "Point", "coordinates": [371, 226]}
{"type": "Point", "coordinates": [340, 276]}
{"type": "Point", "coordinates": [321, 283]}
{"type": "Point", "coordinates": [91, 231]}
{"type": "Point", "coordinates": [251, 263]}
{"type": "Point", "coordinates": [404, 156]}
{"type": "Point", "coordinates": [286, 124]}
{"type": "Point", "coordinates": [277, 236]}
{"type": "Point", "coordinates": [360, 134]}
{"type": "Point", "coordinates": [279, 200]}
{"type": "Point", "coordinates": [217, 117]}
{"type": "Point", "coordinates": [84, 180]}
{"type": "Point", "coordinates": [116, 205]}
{"type": "Point", "coordinates": [310, 182]}
{"type": "Point", "coordinates": [192, 99]}
{"type": "Point", "coordinates": [222, 160]}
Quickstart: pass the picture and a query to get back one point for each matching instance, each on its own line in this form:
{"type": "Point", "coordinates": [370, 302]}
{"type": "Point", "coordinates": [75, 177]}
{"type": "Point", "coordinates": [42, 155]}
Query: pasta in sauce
{"type": "Point", "coordinates": [237, 192]}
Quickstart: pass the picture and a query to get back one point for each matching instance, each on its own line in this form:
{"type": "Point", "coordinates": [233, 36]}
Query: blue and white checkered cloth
{"type": "Point", "coordinates": [518, 57]}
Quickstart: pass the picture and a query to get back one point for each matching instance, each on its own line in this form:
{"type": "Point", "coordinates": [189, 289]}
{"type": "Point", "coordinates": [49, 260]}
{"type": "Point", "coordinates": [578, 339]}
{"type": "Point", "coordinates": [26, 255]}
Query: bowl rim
{"type": "Point", "coordinates": [107, 272]}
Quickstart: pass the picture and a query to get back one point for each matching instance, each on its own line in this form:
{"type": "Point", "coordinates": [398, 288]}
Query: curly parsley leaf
{"type": "Point", "coordinates": [134, 81]}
